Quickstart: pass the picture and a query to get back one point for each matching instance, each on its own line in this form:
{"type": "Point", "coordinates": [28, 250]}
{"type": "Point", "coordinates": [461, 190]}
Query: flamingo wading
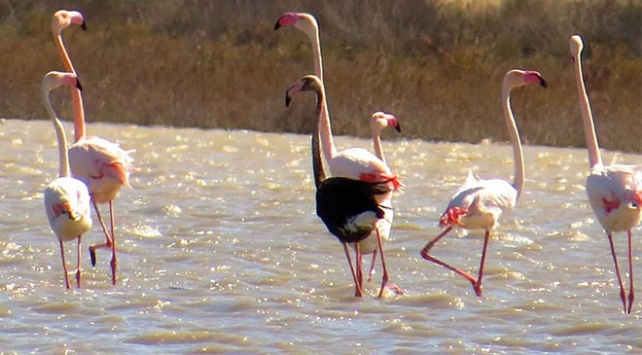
{"type": "Point", "coordinates": [102, 165]}
{"type": "Point", "coordinates": [478, 203]}
{"type": "Point", "coordinates": [66, 198]}
{"type": "Point", "coordinates": [349, 207]}
{"type": "Point", "coordinates": [352, 163]}
{"type": "Point", "coordinates": [614, 191]}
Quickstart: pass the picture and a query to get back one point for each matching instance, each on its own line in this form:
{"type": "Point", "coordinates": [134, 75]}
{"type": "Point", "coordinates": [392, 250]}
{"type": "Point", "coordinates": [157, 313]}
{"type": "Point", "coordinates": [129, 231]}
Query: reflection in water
{"type": "Point", "coordinates": [220, 250]}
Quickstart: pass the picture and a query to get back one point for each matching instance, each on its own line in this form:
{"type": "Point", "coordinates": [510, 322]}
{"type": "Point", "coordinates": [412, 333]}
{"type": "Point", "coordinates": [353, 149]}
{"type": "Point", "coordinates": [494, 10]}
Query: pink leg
{"type": "Point", "coordinates": [425, 255]}
{"type": "Point", "coordinates": [372, 265]}
{"type": "Point", "coordinates": [477, 285]}
{"type": "Point", "coordinates": [631, 290]}
{"type": "Point", "coordinates": [357, 286]}
{"type": "Point", "coordinates": [64, 265]}
{"type": "Point", "coordinates": [617, 271]}
{"type": "Point", "coordinates": [108, 240]}
{"type": "Point", "coordinates": [78, 264]}
{"type": "Point", "coordinates": [384, 280]}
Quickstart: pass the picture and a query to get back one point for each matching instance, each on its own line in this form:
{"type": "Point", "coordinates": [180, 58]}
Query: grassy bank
{"type": "Point", "coordinates": [435, 64]}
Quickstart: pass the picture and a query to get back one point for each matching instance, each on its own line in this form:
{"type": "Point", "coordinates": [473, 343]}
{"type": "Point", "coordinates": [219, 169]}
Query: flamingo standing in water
{"type": "Point", "coordinates": [348, 207]}
{"type": "Point", "coordinates": [614, 191]}
{"type": "Point", "coordinates": [352, 163]}
{"type": "Point", "coordinates": [478, 204]}
{"type": "Point", "coordinates": [66, 198]}
{"type": "Point", "coordinates": [102, 165]}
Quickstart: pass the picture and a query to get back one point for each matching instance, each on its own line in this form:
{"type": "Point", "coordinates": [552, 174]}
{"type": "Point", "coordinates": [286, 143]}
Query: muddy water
{"type": "Point", "coordinates": [220, 251]}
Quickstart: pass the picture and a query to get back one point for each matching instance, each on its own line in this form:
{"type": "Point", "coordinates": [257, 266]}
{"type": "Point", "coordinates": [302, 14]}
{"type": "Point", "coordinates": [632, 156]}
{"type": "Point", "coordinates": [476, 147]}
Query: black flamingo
{"type": "Point", "coordinates": [346, 206]}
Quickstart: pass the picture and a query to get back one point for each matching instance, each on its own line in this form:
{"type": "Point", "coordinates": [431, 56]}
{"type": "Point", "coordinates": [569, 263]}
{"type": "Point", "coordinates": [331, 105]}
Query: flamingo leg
{"type": "Point", "coordinates": [78, 263]}
{"type": "Point", "coordinates": [425, 255]}
{"type": "Point", "coordinates": [358, 264]}
{"type": "Point", "coordinates": [477, 285]}
{"type": "Point", "coordinates": [113, 262]}
{"type": "Point", "coordinates": [357, 286]}
{"type": "Point", "coordinates": [385, 278]}
{"type": "Point", "coordinates": [617, 271]}
{"type": "Point", "coordinates": [631, 290]}
{"type": "Point", "coordinates": [372, 265]}
{"type": "Point", "coordinates": [64, 264]}
{"type": "Point", "coordinates": [106, 244]}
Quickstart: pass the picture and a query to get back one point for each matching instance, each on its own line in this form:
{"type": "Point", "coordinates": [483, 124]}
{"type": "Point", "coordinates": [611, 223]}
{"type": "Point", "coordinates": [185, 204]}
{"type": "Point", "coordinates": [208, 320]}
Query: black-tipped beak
{"type": "Point", "coordinates": [83, 26]}
{"type": "Point", "coordinates": [78, 86]}
{"type": "Point", "coordinates": [398, 127]}
{"type": "Point", "coordinates": [287, 100]}
{"type": "Point", "coordinates": [543, 82]}
{"type": "Point", "coordinates": [277, 25]}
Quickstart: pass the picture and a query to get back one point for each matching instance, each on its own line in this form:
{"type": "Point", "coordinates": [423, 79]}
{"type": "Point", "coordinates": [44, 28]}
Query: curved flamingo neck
{"type": "Point", "coordinates": [76, 95]}
{"type": "Point", "coordinates": [64, 170]}
{"type": "Point", "coordinates": [585, 107]}
{"type": "Point", "coordinates": [518, 179]}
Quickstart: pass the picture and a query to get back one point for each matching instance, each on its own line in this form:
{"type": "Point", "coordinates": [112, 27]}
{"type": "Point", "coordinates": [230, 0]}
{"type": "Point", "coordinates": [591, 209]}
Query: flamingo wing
{"type": "Point", "coordinates": [477, 204]}
{"type": "Point", "coordinates": [360, 164]}
{"type": "Point", "coordinates": [96, 158]}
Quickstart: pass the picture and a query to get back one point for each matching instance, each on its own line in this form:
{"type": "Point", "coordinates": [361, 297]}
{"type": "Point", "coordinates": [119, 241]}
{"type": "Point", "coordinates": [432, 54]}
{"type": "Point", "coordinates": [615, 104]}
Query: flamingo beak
{"type": "Point", "coordinates": [398, 127]}
{"type": "Point", "coordinates": [542, 82]}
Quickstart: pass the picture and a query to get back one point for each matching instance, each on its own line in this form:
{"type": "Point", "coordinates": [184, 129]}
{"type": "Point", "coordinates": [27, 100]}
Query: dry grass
{"type": "Point", "coordinates": [436, 64]}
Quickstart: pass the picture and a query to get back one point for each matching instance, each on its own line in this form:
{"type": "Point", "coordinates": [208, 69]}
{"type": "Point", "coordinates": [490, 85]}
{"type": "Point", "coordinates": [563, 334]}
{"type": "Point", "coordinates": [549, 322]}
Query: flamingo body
{"type": "Point", "coordinates": [102, 165]}
{"type": "Point", "coordinates": [348, 207]}
{"type": "Point", "coordinates": [615, 195]}
{"type": "Point", "coordinates": [478, 204]}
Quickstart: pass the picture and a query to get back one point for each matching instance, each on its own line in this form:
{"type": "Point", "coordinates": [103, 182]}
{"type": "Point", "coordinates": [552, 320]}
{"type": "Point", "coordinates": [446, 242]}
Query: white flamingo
{"type": "Point", "coordinates": [352, 163]}
{"type": "Point", "coordinates": [102, 165]}
{"type": "Point", "coordinates": [614, 191]}
{"type": "Point", "coordinates": [66, 198]}
{"type": "Point", "coordinates": [478, 204]}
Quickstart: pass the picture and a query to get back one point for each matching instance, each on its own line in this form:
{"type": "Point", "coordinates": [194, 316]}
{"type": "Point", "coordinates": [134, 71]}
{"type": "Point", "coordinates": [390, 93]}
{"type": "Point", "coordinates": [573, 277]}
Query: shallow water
{"type": "Point", "coordinates": [220, 250]}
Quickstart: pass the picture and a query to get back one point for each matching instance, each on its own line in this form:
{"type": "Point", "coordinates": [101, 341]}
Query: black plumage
{"type": "Point", "coordinates": [349, 208]}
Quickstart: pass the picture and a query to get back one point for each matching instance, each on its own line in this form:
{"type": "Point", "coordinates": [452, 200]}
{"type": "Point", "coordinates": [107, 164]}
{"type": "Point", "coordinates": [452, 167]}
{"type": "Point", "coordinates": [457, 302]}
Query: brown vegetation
{"type": "Point", "coordinates": [436, 64]}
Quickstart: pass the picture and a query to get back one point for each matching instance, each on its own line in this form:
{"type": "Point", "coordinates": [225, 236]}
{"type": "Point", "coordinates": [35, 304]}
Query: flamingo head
{"type": "Point", "coordinates": [381, 120]}
{"type": "Point", "coordinates": [515, 78]}
{"type": "Point", "coordinates": [55, 79]}
{"type": "Point", "coordinates": [65, 208]}
{"type": "Point", "coordinates": [576, 46]}
{"type": "Point", "coordinates": [303, 21]}
{"type": "Point", "coordinates": [63, 18]}
{"type": "Point", "coordinates": [307, 83]}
